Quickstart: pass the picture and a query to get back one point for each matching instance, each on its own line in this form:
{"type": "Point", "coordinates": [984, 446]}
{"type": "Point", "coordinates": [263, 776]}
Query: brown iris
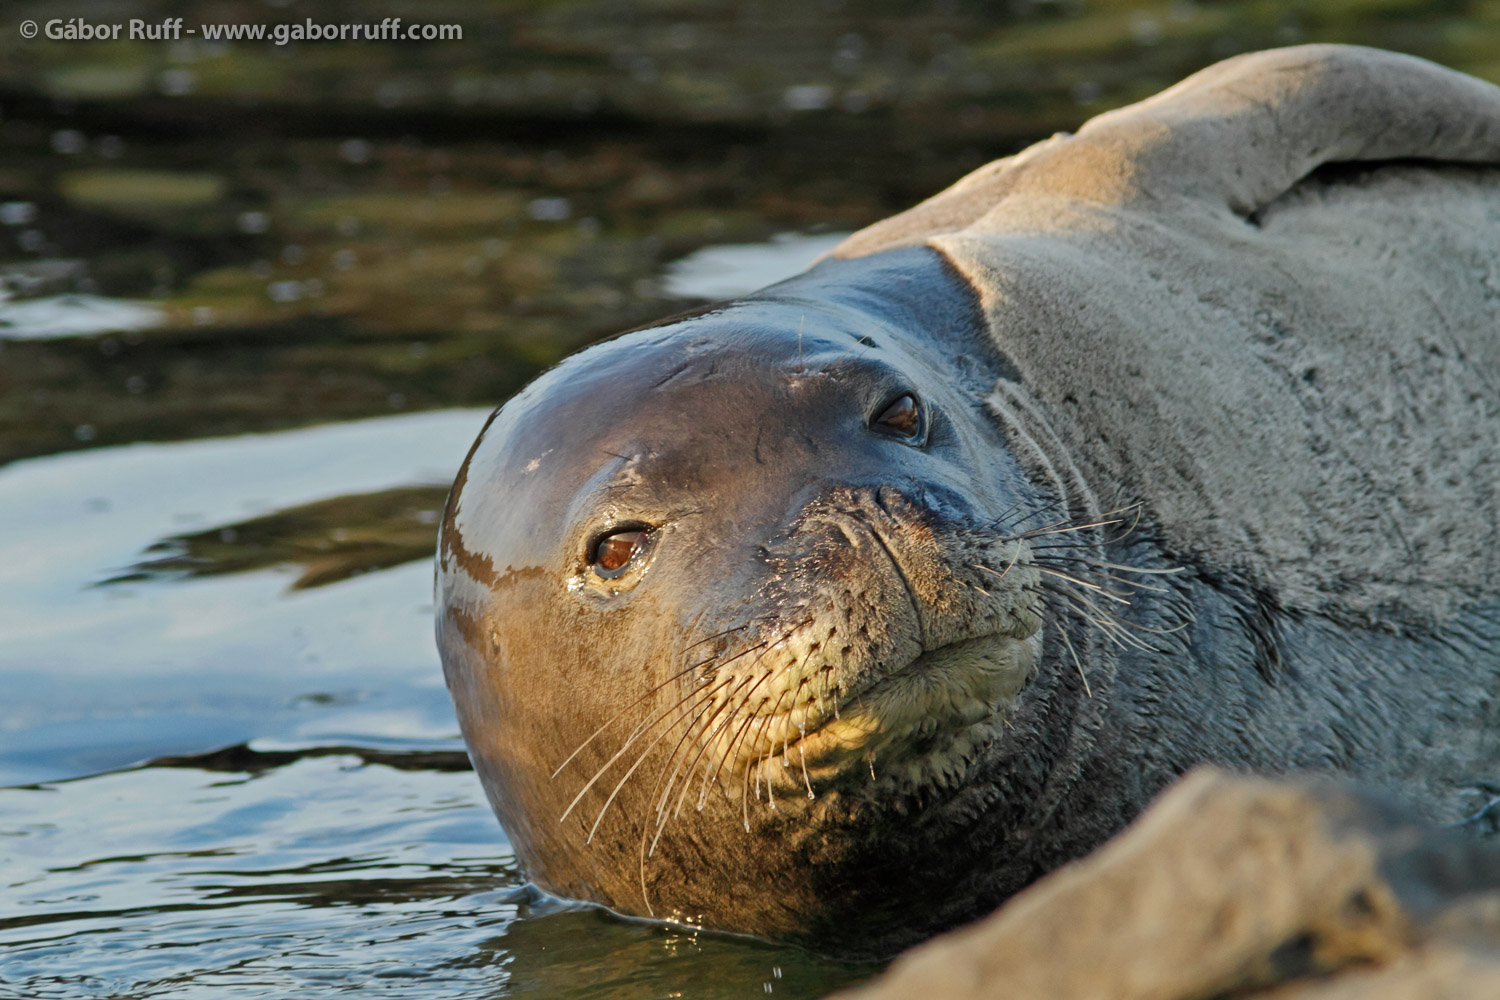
{"type": "Point", "coordinates": [613, 552]}
{"type": "Point", "coordinates": [903, 416]}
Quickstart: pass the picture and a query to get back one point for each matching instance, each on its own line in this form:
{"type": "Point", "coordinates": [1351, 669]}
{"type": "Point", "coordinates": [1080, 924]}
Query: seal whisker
{"type": "Point", "coordinates": [709, 778]}
{"type": "Point", "coordinates": [650, 716]}
{"type": "Point", "coordinates": [658, 717]}
{"type": "Point", "coordinates": [719, 635]}
{"type": "Point", "coordinates": [1133, 569]}
{"type": "Point", "coordinates": [710, 770]}
{"type": "Point", "coordinates": [1139, 509]}
{"type": "Point", "coordinates": [1000, 574]}
{"type": "Point", "coordinates": [765, 646]}
{"type": "Point", "coordinates": [802, 756]}
{"type": "Point", "coordinates": [1105, 627]}
{"type": "Point", "coordinates": [698, 741]}
{"type": "Point", "coordinates": [732, 749]}
{"type": "Point", "coordinates": [770, 754]}
{"type": "Point", "coordinates": [744, 652]}
{"type": "Point", "coordinates": [640, 759]}
{"type": "Point", "coordinates": [621, 784]}
{"type": "Point", "coordinates": [765, 722]}
{"type": "Point", "coordinates": [682, 740]}
{"type": "Point", "coordinates": [665, 816]}
{"type": "Point", "coordinates": [1112, 595]}
{"type": "Point", "coordinates": [1117, 631]}
{"type": "Point", "coordinates": [863, 343]}
{"type": "Point", "coordinates": [714, 714]}
{"type": "Point", "coordinates": [745, 784]}
{"type": "Point", "coordinates": [651, 795]}
{"type": "Point", "coordinates": [1133, 585]}
{"type": "Point", "coordinates": [1106, 518]}
{"type": "Point", "coordinates": [1096, 570]}
{"type": "Point", "coordinates": [1013, 508]}
{"type": "Point", "coordinates": [671, 781]}
{"type": "Point", "coordinates": [1126, 623]}
{"type": "Point", "coordinates": [616, 717]}
{"type": "Point", "coordinates": [1087, 689]}
{"type": "Point", "coordinates": [1062, 527]}
{"type": "Point", "coordinates": [704, 698]}
{"type": "Point", "coordinates": [1112, 626]}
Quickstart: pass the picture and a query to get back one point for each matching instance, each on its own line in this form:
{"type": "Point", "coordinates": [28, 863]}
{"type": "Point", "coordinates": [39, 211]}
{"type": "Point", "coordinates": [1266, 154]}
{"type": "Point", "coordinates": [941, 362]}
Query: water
{"type": "Point", "coordinates": [73, 316]}
{"type": "Point", "coordinates": [100, 676]}
{"type": "Point", "coordinates": [309, 875]}
{"type": "Point", "coordinates": [728, 270]}
{"type": "Point", "coordinates": [231, 778]}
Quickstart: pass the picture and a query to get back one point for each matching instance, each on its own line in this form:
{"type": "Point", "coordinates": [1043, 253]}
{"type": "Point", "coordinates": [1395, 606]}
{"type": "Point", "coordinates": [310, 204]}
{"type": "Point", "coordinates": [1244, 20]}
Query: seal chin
{"type": "Point", "coordinates": [921, 721]}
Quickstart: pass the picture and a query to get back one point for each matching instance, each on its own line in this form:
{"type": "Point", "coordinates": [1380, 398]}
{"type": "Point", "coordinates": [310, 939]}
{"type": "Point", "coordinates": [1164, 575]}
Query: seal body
{"type": "Point", "coordinates": [841, 612]}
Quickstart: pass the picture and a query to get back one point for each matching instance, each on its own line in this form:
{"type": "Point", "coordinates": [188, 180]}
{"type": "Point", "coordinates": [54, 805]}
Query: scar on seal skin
{"type": "Point", "coordinates": [840, 612]}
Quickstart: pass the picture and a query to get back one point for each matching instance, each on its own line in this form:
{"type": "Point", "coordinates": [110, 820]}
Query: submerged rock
{"type": "Point", "coordinates": [1244, 887]}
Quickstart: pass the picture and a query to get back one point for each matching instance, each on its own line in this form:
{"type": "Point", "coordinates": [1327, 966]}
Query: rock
{"type": "Point", "coordinates": [1250, 887]}
{"type": "Point", "coordinates": [1435, 972]}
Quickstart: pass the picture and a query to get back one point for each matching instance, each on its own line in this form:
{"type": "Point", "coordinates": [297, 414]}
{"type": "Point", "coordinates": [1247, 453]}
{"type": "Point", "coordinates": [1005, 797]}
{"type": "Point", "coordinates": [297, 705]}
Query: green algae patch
{"type": "Point", "coordinates": [136, 192]}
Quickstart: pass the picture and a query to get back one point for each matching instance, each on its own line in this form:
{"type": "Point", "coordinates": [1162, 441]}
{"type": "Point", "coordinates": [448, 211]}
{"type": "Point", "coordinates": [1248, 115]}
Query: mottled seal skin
{"type": "Point", "coordinates": [836, 615]}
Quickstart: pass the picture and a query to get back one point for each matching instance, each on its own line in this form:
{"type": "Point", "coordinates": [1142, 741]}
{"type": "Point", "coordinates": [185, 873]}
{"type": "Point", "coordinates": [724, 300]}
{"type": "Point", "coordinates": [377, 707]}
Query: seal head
{"type": "Point", "coordinates": [733, 604]}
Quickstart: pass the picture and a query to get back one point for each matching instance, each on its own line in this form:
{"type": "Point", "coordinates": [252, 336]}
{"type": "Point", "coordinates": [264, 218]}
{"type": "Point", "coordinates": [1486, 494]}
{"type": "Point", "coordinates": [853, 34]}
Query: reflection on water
{"type": "Point", "coordinates": [75, 316]}
{"type": "Point", "coordinates": [727, 270]}
{"type": "Point", "coordinates": [245, 880]}
{"type": "Point", "coordinates": [331, 540]}
{"type": "Point", "coordinates": [322, 874]}
{"type": "Point", "coordinates": [98, 677]}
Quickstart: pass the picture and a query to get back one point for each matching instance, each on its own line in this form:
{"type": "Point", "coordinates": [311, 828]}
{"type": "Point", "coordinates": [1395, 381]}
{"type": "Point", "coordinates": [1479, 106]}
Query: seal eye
{"type": "Point", "coordinates": [902, 416]}
{"type": "Point", "coordinates": [611, 554]}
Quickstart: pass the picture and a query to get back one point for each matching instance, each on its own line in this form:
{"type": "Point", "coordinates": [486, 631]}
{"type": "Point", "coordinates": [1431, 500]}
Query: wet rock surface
{"type": "Point", "coordinates": [1238, 887]}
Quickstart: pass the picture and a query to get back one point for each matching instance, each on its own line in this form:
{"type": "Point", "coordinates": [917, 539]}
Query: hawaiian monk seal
{"type": "Point", "coordinates": [843, 611]}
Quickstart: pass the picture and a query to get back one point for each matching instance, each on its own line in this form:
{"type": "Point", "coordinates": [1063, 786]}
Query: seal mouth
{"type": "Point", "coordinates": [945, 689]}
{"type": "Point", "coordinates": [915, 719]}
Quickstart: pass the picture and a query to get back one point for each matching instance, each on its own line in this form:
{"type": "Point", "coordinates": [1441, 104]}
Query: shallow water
{"type": "Point", "coordinates": [311, 874]}
{"type": "Point", "coordinates": [105, 675]}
